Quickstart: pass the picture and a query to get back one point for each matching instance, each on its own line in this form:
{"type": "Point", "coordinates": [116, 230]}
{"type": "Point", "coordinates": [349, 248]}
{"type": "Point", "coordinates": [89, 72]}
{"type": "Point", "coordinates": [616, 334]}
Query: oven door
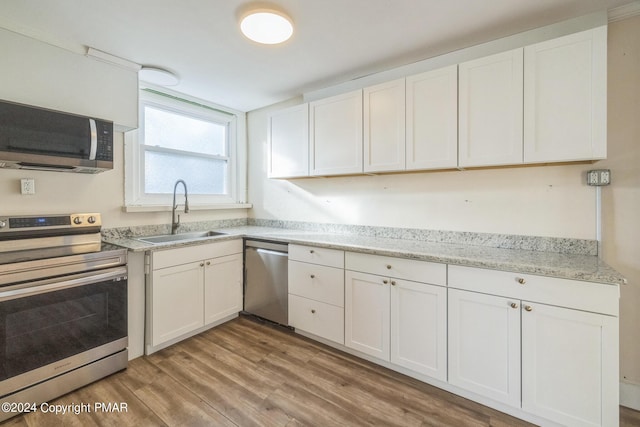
{"type": "Point", "coordinates": [52, 326]}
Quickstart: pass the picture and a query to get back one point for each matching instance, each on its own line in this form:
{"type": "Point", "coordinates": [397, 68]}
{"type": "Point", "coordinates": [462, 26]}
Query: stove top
{"type": "Point", "coordinates": [31, 237]}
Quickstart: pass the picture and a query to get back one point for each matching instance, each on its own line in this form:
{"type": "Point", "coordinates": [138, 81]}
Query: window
{"type": "Point", "coordinates": [182, 139]}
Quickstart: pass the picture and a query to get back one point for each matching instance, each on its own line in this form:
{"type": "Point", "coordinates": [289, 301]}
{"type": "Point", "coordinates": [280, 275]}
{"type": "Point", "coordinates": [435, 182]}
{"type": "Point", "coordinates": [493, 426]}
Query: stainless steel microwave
{"type": "Point", "coordinates": [40, 139]}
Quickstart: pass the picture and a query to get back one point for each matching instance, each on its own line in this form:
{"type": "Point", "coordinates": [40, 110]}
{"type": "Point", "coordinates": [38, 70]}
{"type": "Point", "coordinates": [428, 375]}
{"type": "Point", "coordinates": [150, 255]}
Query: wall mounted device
{"type": "Point", "coordinates": [599, 177]}
{"type": "Point", "coordinates": [40, 139]}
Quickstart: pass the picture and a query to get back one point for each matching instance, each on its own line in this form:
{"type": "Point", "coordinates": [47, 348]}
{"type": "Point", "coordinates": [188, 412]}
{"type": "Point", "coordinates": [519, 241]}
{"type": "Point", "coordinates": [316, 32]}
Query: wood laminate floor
{"type": "Point", "coordinates": [245, 373]}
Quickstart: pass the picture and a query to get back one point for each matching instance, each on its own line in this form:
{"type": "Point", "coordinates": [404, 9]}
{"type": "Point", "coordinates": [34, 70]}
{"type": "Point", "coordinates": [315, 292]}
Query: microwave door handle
{"type": "Point", "coordinates": [94, 139]}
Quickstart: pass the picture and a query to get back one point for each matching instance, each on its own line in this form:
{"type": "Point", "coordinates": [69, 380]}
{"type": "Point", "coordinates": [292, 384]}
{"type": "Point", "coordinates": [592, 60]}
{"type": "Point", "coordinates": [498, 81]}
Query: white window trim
{"type": "Point", "coordinates": [135, 198]}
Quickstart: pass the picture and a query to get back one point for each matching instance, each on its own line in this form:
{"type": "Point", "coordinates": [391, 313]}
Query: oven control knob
{"type": "Point", "coordinates": [92, 220]}
{"type": "Point", "coordinates": [3, 224]}
{"type": "Point", "coordinates": [77, 220]}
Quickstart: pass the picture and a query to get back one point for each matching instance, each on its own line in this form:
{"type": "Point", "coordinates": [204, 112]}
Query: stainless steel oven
{"type": "Point", "coordinates": [63, 317]}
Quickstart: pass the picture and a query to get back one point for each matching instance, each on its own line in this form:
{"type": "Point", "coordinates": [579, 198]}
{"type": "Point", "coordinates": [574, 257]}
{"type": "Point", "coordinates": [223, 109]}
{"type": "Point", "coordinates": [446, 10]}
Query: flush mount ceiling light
{"type": "Point", "coordinates": [157, 76]}
{"type": "Point", "coordinates": [266, 26]}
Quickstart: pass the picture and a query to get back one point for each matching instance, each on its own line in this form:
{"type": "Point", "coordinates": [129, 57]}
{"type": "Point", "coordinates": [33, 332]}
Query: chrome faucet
{"type": "Point", "coordinates": [175, 224]}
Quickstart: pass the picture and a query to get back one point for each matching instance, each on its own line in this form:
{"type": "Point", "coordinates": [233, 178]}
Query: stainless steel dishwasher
{"type": "Point", "coordinates": [266, 284]}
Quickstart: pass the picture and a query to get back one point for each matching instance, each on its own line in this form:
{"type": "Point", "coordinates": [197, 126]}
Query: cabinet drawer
{"type": "Point", "coordinates": [186, 254]}
{"type": "Point", "coordinates": [317, 318]}
{"type": "Point", "coordinates": [318, 282]}
{"type": "Point", "coordinates": [322, 256]}
{"type": "Point", "coordinates": [588, 296]}
{"type": "Point", "coordinates": [400, 268]}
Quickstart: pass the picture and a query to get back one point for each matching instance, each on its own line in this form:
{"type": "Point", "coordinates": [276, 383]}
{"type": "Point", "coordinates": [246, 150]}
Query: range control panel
{"type": "Point", "coordinates": [49, 222]}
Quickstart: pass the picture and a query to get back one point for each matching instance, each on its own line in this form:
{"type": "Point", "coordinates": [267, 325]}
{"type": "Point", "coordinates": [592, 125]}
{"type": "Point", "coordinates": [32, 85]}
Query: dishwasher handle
{"type": "Point", "coordinates": [270, 252]}
{"type": "Point", "coordinates": [269, 245]}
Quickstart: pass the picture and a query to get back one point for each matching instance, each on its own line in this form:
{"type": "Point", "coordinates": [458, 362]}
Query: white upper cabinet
{"type": "Point", "coordinates": [384, 127]}
{"type": "Point", "coordinates": [490, 108]}
{"type": "Point", "coordinates": [289, 142]}
{"type": "Point", "coordinates": [335, 134]}
{"type": "Point", "coordinates": [542, 103]}
{"type": "Point", "coordinates": [432, 119]}
{"type": "Point", "coordinates": [565, 109]}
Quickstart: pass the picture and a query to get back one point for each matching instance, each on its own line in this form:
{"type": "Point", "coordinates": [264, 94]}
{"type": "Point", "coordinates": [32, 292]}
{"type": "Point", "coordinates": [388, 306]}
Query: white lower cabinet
{"type": "Point", "coordinates": [176, 301]}
{"type": "Point", "coordinates": [367, 314]}
{"type": "Point", "coordinates": [222, 287]}
{"type": "Point", "coordinates": [394, 319]}
{"type": "Point", "coordinates": [189, 288]}
{"type": "Point", "coordinates": [570, 365]}
{"type": "Point", "coordinates": [542, 348]}
{"type": "Point", "coordinates": [316, 291]}
{"type": "Point", "coordinates": [484, 345]}
{"type": "Point", "coordinates": [419, 328]}
{"type": "Point", "coordinates": [317, 318]}
{"type": "Point", "coordinates": [521, 348]}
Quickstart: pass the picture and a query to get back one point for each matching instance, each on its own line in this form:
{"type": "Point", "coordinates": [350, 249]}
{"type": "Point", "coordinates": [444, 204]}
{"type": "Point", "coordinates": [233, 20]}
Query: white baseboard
{"type": "Point", "coordinates": [630, 395]}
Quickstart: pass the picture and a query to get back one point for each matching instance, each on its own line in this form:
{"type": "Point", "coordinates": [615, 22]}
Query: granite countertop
{"type": "Point", "coordinates": [562, 265]}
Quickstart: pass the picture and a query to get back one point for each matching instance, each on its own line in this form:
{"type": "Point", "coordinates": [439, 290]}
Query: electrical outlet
{"type": "Point", "coordinates": [28, 186]}
{"type": "Point", "coordinates": [599, 177]}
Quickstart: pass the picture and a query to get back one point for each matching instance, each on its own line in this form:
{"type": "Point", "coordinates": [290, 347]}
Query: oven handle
{"type": "Point", "coordinates": [52, 285]}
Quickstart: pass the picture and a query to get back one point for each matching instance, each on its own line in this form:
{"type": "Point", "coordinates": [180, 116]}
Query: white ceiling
{"type": "Point", "coordinates": [334, 40]}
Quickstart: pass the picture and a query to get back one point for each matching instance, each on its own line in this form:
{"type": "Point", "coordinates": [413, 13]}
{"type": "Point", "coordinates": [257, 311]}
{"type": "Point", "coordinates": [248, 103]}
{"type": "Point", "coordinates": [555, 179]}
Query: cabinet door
{"type": "Point", "coordinates": [335, 132]}
{"type": "Point", "coordinates": [367, 314]}
{"type": "Point", "coordinates": [432, 119]}
{"type": "Point", "coordinates": [222, 287]}
{"type": "Point", "coordinates": [484, 345]}
{"type": "Point", "coordinates": [565, 101]}
{"type": "Point", "coordinates": [289, 142]}
{"type": "Point", "coordinates": [384, 127]}
{"type": "Point", "coordinates": [490, 104]}
{"type": "Point", "coordinates": [177, 301]}
{"type": "Point", "coordinates": [570, 365]}
{"type": "Point", "coordinates": [419, 327]}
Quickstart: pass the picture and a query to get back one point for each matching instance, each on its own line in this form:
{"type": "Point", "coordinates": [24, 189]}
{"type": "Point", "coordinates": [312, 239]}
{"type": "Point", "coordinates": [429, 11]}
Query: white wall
{"type": "Point", "coordinates": [538, 201]}
{"type": "Point", "coordinates": [621, 200]}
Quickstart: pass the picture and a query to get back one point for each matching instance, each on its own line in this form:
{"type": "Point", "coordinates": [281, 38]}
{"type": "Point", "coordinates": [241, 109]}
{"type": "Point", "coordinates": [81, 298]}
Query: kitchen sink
{"type": "Point", "coordinates": [167, 238]}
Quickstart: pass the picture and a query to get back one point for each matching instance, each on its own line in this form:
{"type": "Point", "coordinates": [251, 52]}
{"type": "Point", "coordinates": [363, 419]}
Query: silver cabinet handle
{"type": "Point", "coordinates": [313, 311]}
{"type": "Point", "coordinates": [385, 281]}
{"type": "Point", "coordinates": [528, 308]}
{"type": "Point", "coordinates": [521, 280]}
{"type": "Point", "coordinates": [388, 266]}
{"type": "Point", "coordinates": [313, 276]}
{"type": "Point", "coordinates": [513, 305]}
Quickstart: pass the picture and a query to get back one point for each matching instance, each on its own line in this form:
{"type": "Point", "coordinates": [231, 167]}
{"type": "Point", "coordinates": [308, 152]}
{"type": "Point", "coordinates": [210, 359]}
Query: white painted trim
{"type": "Point", "coordinates": [168, 208]}
{"type": "Point", "coordinates": [112, 59]}
{"type": "Point", "coordinates": [630, 395]}
{"type": "Point", "coordinates": [623, 12]}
